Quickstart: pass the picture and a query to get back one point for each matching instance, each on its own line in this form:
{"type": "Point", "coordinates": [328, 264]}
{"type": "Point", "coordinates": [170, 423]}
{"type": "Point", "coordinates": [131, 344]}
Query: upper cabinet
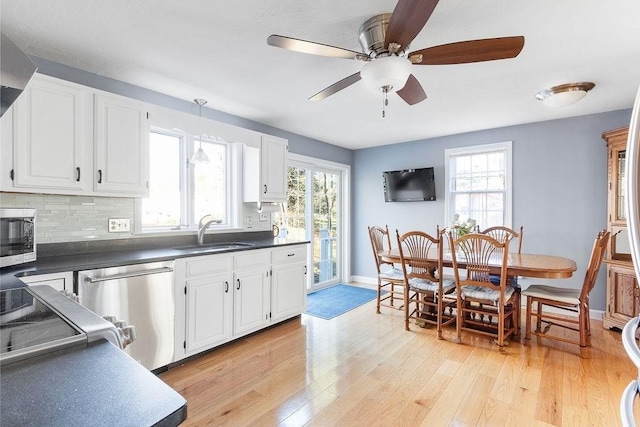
{"type": "Point", "coordinates": [121, 145]}
{"type": "Point", "coordinates": [265, 171]}
{"type": "Point", "coordinates": [51, 130]}
{"type": "Point", "coordinates": [67, 138]}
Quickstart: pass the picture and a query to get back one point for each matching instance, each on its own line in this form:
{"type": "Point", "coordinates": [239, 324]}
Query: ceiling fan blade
{"type": "Point", "coordinates": [407, 20]}
{"type": "Point", "coordinates": [412, 92]}
{"type": "Point", "coordinates": [469, 51]}
{"type": "Point", "coordinates": [313, 48]}
{"type": "Point", "coordinates": [336, 87]}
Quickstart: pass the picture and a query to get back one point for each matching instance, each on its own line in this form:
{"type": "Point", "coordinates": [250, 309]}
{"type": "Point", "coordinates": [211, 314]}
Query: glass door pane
{"type": "Point", "coordinates": [326, 187]}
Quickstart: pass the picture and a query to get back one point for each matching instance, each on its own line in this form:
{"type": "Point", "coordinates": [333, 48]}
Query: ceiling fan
{"type": "Point", "coordinates": [385, 42]}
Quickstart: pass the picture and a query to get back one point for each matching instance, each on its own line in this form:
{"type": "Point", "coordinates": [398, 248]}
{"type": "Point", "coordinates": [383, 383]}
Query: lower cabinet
{"type": "Point", "coordinates": [223, 297]}
{"type": "Point", "coordinates": [623, 299]}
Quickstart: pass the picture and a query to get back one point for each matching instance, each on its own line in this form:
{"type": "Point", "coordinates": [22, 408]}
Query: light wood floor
{"type": "Point", "coordinates": [364, 369]}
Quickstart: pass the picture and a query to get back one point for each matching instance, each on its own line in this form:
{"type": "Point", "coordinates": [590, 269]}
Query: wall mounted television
{"type": "Point", "coordinates": [409, 185]}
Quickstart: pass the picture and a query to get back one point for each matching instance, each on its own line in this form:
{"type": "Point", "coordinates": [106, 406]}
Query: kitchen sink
{"type": "Point", "coordinates": [214, 247]}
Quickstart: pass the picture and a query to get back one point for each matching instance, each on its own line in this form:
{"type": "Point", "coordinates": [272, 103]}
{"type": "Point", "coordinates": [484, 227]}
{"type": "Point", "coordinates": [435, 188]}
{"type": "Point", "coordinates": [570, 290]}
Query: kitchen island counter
{"type": "Point", "coordinates": [98, 385]}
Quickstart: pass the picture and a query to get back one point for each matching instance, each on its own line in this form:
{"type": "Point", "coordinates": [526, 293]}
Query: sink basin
{"type": "Point", "coordinates": [213, 247]}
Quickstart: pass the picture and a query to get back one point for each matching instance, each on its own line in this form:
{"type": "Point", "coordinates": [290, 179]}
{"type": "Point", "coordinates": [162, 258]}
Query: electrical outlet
{"type": "Point", "coordinates": [264, 217]}
{"type": "Point", "coordinates": [119, 225]}
{"type": "Point", "coordinates": [249, 222]}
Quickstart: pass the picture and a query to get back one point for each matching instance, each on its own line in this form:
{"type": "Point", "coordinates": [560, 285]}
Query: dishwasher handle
{"type": "Point", "coordinates": [127, 275]}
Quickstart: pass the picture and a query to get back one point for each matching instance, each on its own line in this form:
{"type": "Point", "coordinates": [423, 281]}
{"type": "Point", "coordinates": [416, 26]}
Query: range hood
{"type": "Point", "coordinates": [16, 70]}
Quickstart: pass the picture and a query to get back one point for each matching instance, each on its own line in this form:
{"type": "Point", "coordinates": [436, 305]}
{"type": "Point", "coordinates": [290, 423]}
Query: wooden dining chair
{"type": "Point", "coordinates": [424, 280]}
{"type": "Point", "coordinates": [570, 300]}
{"type": "Point", "coordinates": [483, 307]}
{"type": "Point", "coordinates": [390, 277]}
{"type": "Point", "coordinates": [505, 234]}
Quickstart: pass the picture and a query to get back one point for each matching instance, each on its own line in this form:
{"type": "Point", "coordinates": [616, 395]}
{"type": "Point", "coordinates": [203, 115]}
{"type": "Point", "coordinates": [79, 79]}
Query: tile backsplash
{"type": "Point", "coordinates": [73, 218]}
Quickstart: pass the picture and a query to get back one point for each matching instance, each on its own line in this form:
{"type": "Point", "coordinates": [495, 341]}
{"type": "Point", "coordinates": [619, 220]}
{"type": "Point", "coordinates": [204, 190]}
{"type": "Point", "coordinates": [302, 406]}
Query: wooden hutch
{"type": "Point", "coordinates": [623, 295]}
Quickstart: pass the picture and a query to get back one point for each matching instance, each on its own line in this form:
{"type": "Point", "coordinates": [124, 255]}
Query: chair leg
{"type": "Point", "coordinates": [378, 297]}
{"type": "Point", "coordinates": [406, 307]}
{"type": "Point", "coordinates": [459, 319]}
{"type": "Point", "coordinates": [439, 315]}
{"type": "Point", "coordinates": [527, 330]}
{"type": "Point", "coordinates": [539, 317]}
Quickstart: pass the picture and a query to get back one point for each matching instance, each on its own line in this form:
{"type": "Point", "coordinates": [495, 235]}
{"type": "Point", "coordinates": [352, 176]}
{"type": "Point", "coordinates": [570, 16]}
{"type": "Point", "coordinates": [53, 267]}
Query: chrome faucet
{"type": "Point", "coordinates": [203, 225]}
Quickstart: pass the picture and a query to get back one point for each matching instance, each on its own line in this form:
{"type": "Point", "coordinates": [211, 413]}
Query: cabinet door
{"type": "Point", "coordinates": [273, 171]}
{"type": "Point", "coordinates": [121, 146]}
{"type": "Point", "coordinates": [251, 300]}
{"type": "Point", "coordinates": [288, 291]}
{"type": "Point", "coordinates": [51, 126]}
{"type": "Point", "coordinates": [209, 305]}
{"type": "Point", "coordinates": [622, 297]}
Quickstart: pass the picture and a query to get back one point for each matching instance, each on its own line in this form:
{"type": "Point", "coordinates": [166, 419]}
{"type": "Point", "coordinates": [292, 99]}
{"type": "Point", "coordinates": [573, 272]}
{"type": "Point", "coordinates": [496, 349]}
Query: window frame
{"type": "Point", "coordinates": [481, 149]}
{"type": "Point", "coordinates": [188, 143]}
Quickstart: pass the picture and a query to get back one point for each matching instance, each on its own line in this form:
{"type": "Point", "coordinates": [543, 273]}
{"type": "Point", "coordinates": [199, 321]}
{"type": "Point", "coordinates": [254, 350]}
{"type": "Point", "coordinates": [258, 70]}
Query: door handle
{"type": "Point", "coordinates": [127, 275]}
{"type": "Point", "coordinates": [238, 280]}
{"type": "Point", "coordinates": [99, 176]}
{"type": "Point", "coordinates": [226, 287]}
{"type": "Point", "coordinates": [78, 172]}
{"type": "Point", "coordinates": [265, 189]}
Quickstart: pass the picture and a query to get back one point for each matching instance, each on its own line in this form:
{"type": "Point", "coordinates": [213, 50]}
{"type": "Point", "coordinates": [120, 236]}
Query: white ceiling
{"type": "Point", "coordinates": [217, 50]}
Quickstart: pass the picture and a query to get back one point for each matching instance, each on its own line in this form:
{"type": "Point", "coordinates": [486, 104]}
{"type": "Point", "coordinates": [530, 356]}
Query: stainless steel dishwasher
{"type": "Point", "coordinates": [143, 296]}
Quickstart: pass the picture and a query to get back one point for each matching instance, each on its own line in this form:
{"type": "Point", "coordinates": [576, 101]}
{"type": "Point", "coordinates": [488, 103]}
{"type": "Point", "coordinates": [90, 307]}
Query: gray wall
{"type": "Point", "coordinates": [559, 188]}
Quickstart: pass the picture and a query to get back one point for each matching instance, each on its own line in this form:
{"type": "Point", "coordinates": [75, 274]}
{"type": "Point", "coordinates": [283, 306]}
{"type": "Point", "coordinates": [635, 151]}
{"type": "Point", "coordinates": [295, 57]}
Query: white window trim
{"type": "Point", "coordinates": [473, 149]}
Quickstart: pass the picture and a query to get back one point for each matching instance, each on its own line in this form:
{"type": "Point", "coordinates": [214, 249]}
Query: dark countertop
{"type": "Point", "coordinates": [98, 385]}
{"type": "Point", "coordinates": [56, 258]}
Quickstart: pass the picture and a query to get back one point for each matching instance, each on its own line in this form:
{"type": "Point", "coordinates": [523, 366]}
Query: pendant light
{"type": "Point", "coordinates": [199, 157]}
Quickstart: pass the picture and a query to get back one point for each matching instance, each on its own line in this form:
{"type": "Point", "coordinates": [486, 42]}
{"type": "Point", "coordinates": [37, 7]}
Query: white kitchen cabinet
{"type": "Point", "coordinates": [288, 282]}
{"type": "Point", "coordinates": [51, 136]}
{"type": "Point", "coordinates": [251, 291]}
{"type": "Point", "coordinates": [58, 281]}
{"type": "Point", "coordinates": [121, 145]}
{"type": "Point", "coordinates": [67, 138]}
{"type": "Point", "coordinates": [265, 171]}
{"type": "Point", "coordinates": [6, 148]}
{"type": "Point", "coordinates": [226, 296]}
{"type": "Point", "coordinates": [207, 303]}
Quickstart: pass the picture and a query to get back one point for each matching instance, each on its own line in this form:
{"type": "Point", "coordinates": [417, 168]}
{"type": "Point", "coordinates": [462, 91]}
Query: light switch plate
{"type": "Point", "coordinates": [264, 216]}
{"type": "Point", "coordinates": [119, 225]}
{"type": "Point", "coordinates": [249, 222]}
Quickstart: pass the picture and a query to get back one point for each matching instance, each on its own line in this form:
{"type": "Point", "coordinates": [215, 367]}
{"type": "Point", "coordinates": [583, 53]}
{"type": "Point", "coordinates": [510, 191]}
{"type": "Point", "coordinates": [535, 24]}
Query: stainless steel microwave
{"type": "Point", "coordinates": [17, 236]}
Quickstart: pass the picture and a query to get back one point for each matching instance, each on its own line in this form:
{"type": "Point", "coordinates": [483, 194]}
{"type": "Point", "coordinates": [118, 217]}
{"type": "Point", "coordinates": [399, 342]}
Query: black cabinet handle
{"type": "Point", "coordinates": [78, 172]}
{"type": "Point", "coordinates": [226, 287]}
{"type": "Point", "coordinates": [238, 280]}
{"type": "Point", "coordinates": [99, 176]}
{"type": "Point", "coordinates": [265, 189]}
{"type": "Point", "coordinates": [11, 175]}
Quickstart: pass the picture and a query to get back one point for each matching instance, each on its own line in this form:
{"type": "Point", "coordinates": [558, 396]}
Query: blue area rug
{"type": "Point", "coordinates": [336, 300]}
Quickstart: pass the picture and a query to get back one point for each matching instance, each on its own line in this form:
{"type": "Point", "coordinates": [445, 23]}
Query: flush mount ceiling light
{"type": "Point", "coordinates": [564, 95]}
{"type": "Point", "coordinates": [199, 157]}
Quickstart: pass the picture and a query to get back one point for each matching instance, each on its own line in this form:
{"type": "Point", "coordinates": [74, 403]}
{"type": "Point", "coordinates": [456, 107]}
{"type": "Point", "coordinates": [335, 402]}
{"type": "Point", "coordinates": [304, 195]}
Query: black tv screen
{"type": "Point", "coordinates": [410, 185]}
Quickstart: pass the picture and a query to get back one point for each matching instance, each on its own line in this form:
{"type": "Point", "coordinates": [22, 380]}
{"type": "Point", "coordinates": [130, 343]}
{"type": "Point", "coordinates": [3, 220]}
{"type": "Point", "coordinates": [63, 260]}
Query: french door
{"type": "Point", "coordinates": [313, 212]}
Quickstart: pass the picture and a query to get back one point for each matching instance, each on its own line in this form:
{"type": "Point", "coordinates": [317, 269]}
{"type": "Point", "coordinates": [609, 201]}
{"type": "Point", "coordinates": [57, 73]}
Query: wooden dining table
{"type": "Point", "coordinates": [525, 265]}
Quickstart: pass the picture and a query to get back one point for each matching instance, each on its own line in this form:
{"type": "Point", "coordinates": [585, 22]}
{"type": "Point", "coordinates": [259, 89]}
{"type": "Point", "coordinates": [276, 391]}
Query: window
{"type": "Point", "coordinates": [478, 184]}
{"type": "Point", "coordinates": [180, 193]}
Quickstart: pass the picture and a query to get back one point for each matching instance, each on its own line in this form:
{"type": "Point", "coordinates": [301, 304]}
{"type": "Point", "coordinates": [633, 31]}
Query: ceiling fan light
{"type": "Point", "coordinates": [564, 95]}
{"type": "Point", "coordinates": [389, 71]}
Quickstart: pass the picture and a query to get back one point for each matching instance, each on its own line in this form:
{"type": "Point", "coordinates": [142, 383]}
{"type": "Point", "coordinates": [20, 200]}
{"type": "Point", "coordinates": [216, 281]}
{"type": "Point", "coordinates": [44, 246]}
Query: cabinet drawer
{"type": "Point", "coordinates": [250, 259]}
{"type": "Point", "coordinates": [207, 265]}
{"type": "Point", "coordinates": [289, 254]}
